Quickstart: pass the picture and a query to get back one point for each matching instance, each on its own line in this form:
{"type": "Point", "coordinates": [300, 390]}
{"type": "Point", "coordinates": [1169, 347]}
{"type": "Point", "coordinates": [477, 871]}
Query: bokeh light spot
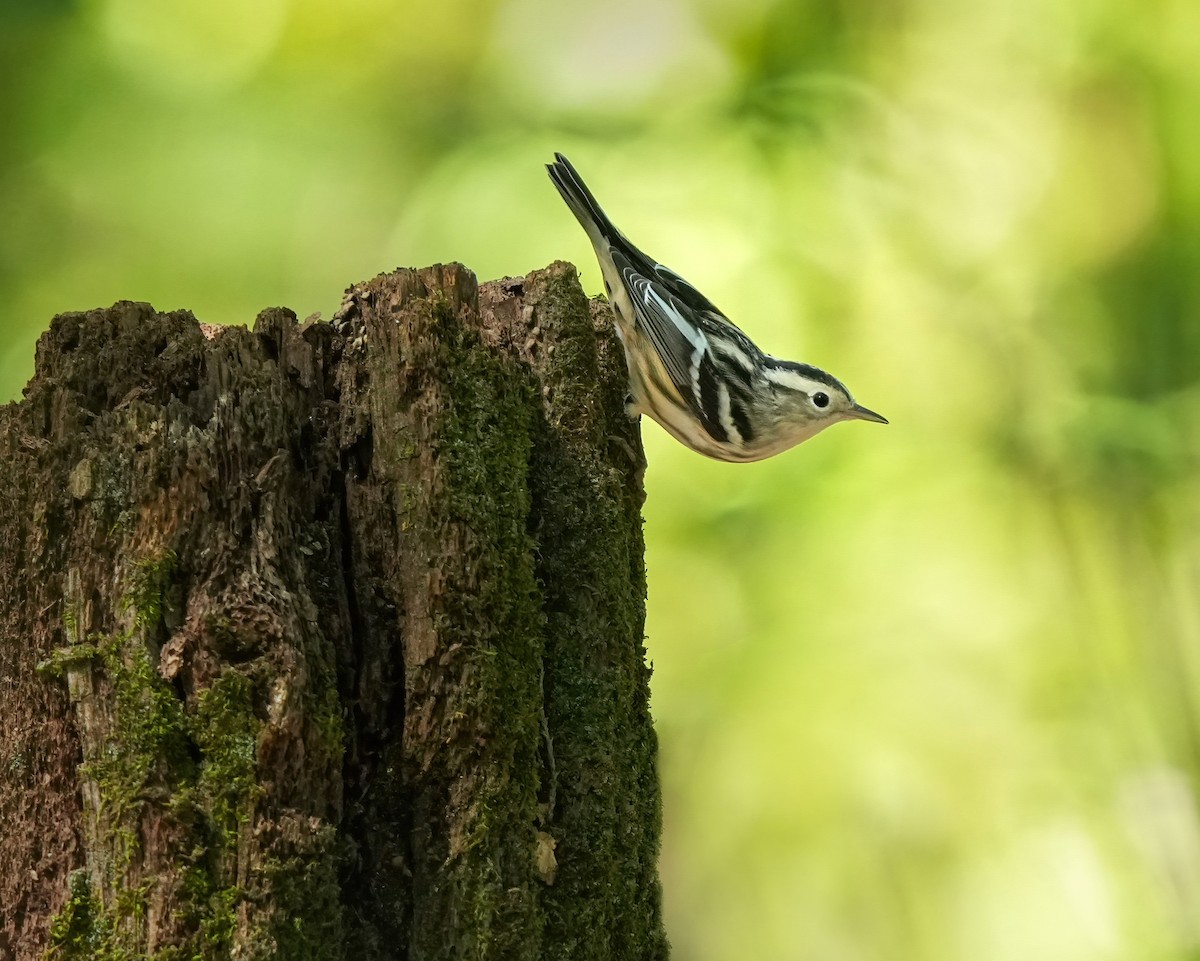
{"type": "Point", "coordinates": [193, 46]}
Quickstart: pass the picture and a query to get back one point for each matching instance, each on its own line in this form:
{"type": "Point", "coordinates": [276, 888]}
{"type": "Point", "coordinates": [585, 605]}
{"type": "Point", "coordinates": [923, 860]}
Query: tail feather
{"type": "Point", "coordinates": [581, 200]}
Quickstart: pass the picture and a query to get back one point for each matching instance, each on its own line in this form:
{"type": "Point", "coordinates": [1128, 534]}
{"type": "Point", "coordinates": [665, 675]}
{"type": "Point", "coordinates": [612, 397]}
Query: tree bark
{"type": "Point", "coordinates": [324, 641]}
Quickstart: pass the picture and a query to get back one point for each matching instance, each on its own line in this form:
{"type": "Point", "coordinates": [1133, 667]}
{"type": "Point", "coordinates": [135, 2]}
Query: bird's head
{"type": "Point", "coordinates": [808, 400]}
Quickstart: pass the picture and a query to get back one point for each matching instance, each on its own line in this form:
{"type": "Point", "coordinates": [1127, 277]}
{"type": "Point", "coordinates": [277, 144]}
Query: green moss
{"type": "Point", "coordinates": [488, 621]}
{"type": "Point", "coordinates": [71, 624]}
{"type": "Point", "coordinates": [325, 734]}
{"type": "Point", "coordinates": [306, 909]}
{"type": "Point", "coordinates": [210, 909]}
{"type": "Point", "coordinates": [77, 653]}
{"type": "Point", "coordinates": [82, 930]}
{"type": "Point", "coordinates": [150, 743]}
{"type": "Point", "coordinates": [596, 681]}
{"type": "Point", "coordinates": [571, 370]}
{"type": "Point", "coordinates": [225, 729]}
{"type": "Point", "coordinates": [204, 762]}
{"type": "Point", "coordinates": [62, 659]}
{"type": "Point", "coordinates": [148, 587]}
{"type": "Point", "coordinates": [219, 922]}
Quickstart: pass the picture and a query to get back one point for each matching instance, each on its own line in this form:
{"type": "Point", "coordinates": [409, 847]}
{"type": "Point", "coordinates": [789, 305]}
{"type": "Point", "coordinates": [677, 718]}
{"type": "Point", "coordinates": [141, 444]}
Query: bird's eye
{"type": "Point", "coordinates": [820, 399]}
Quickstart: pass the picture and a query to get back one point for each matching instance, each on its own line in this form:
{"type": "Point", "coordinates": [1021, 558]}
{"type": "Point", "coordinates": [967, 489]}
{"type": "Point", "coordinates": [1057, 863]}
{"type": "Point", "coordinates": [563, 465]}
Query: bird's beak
{"type": "Point", "coordinates": [858, 412]}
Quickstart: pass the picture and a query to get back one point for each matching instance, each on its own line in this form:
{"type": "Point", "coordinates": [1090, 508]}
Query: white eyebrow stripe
{"type": "Point", "coordinates": [793, 380]}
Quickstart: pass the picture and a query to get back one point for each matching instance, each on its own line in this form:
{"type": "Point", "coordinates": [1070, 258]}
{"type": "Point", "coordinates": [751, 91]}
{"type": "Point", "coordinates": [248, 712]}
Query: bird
{"type": "Point", "coordinates": [690, 368]}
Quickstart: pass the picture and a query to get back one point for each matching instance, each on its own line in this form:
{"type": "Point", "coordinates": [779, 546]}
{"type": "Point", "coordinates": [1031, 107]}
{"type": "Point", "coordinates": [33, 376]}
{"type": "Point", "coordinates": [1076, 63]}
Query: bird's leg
{"type": "Point", "coordinates": [632, 411]}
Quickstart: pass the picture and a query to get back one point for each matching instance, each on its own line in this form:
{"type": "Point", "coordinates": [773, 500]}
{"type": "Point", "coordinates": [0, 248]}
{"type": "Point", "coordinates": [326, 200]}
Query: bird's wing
{"type": "Point", "coordinates": [676, 318]}
{"type": "Point", "coordinates": [679, 343]}
{"type": "Point", "coordinates": [679, 334]}
{"type": "Point", "coordinates": [684, 292]}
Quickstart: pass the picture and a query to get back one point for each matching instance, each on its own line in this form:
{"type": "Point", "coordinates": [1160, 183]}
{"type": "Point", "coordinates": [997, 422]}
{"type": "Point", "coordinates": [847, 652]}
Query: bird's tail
{"type": "Point", "coordinates": [583, 205]}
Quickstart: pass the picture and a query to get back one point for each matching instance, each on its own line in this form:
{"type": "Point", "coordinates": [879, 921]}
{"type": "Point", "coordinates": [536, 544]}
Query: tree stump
{"type": "Point", "coordinates": [324, 641]}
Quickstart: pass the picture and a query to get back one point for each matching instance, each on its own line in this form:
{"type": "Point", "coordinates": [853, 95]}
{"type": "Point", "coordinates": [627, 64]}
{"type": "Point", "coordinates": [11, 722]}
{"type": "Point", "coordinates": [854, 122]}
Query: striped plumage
{"type": "Point", "coordinates": [690, 368]}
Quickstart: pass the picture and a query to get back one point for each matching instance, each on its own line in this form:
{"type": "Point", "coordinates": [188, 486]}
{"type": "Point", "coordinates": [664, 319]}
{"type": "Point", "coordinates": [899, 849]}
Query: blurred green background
{"type": "Point", "coordinates": [925, 691]}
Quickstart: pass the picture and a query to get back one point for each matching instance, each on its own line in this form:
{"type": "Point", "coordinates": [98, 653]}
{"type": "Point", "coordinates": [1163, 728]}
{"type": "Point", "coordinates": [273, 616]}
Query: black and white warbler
{"type": "Point", "coordinates": [690, 368]}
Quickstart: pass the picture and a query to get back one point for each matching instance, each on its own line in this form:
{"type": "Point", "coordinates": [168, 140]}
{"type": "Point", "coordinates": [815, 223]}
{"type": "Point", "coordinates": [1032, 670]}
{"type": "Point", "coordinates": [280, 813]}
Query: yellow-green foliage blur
{"type": "Point", "coordinates": [925, 692]}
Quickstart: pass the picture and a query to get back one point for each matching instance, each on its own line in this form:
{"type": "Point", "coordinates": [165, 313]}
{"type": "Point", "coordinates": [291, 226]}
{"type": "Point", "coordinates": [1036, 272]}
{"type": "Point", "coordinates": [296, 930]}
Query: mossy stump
{"type": "Point", "coordinates": [324, 641]}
